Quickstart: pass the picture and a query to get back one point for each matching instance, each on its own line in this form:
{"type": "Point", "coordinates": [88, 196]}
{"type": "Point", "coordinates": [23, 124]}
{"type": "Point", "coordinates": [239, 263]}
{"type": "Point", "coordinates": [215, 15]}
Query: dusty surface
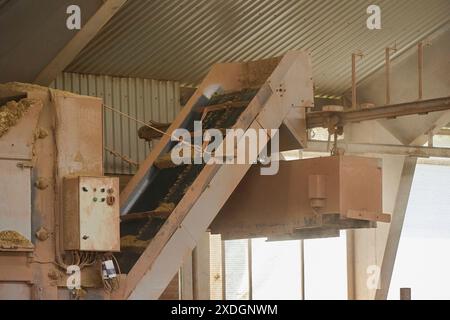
{"type": "Point", "coordinates": [26, 87]}
{"type": "Point", "coordinates": [172, 182]}
{"type": "Point", "coordinates": [131, 241]}
{"type": "Point", "coordinates": [149, 134]}
{"type": "Point", "coordinates": [165, 207]}
{"type": "Point", "coordinates": [12, 112]}
{"type": "Point", "coordinates": [14, 240]}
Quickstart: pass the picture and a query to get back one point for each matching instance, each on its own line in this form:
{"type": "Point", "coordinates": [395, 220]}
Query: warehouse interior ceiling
{"type": "Point", "coordinates": [38, 27]}
{"type": "Point", "coordinates": [180, 39]}
{"type": "Point", "coordinates": [94, 204]}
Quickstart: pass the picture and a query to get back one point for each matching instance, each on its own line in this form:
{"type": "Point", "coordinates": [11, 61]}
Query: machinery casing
{"type": "Point", "coordinates": [91, 214]}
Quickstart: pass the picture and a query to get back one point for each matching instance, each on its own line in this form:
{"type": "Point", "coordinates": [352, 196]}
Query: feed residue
{"type": "Point", "coordinates": [13, 240]}
{"type": "Point", "coordinates": [12, 112]}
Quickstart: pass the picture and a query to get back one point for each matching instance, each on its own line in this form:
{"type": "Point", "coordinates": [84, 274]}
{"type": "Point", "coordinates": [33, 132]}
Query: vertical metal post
{"type": "Point", "coordinates": [195, 279]}
{"type": "Point", "coordinates": [388, 66]}
{"type": "Point", "coordinates": [224, 282]}
{"type": "Point", "coordinates": [201, 269]}
{"type": "Point", "coordinates": [187, 290]}
{"type": "Point", "coordinates": [351, 288]}
{"type": "Point", "coordinates": [353, 81]}
{"type": "Point", "coordinates": [302, 265]}
{"type": "Point", "coordinates": [354, 97]}
{"type": "Point", "coordinates": [180, 284]}
{"type": "Point", "coordinates": [405, 293]}
{"type": "Point", "coordinates": [421, 45]}
{"type": "Point", "coordinates": [250, 271]}
{"type": "Point", "coordinates": [388, 73]}
{"type": "Point", "coordinates": [430, 139]}
{"type": "Point", "coordinates": [420, 69]}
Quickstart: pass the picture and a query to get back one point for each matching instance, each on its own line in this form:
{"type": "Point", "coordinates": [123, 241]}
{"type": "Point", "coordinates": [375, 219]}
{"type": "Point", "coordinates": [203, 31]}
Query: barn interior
{"type": "Point", "coordinates": [224, 150]}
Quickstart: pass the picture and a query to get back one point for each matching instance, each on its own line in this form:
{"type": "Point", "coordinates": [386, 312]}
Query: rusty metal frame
{"type": "Point", "coordinates": [69, 133]}
{"type": "Point", "coordinates": [395, 230]}
{"type": "Point", "coordinates": [319, 118]}
{"type": "Point", "coordinates": [285, 84]}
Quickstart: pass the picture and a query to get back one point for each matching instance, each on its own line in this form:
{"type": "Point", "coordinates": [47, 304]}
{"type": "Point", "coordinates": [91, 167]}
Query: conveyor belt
{"type": "Point", "coordinates": [166, 208]}
{"type": "Point", "coordinates": [169, 185]}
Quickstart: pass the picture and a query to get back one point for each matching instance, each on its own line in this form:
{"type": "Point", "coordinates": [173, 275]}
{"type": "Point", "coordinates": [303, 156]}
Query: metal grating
{"type": "Point", "coordinates": [181, 39]}
{"type": "Point", "coordinates": [141, 98]}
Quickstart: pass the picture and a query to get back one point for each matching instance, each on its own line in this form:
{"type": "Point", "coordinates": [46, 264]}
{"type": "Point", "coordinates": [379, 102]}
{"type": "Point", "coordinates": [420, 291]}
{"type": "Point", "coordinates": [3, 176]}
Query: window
{"type": "Point", "coordinates": [237, 283]}
{"type": "Point", "coordinates": [423, 257]}
{"type": "Point", "coordinates": [326, 268]}
{"type": "Point", "coordinates": [276, 269]}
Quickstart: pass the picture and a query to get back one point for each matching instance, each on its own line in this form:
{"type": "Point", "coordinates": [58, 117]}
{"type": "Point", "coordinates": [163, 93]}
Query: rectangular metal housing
{"type": "Point", "coordinates": [299, 195]}
{"type": "Point", "coordinates": [15, 198]}
{"type": "Point", "coordinates": [16, 155]}
{"type": "Point", "coordinates": [91, 214]}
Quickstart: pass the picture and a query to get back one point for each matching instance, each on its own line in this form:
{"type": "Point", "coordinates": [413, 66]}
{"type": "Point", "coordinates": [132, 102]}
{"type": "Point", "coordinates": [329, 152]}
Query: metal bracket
{"type": "Point", "coordinates": [25, 164]}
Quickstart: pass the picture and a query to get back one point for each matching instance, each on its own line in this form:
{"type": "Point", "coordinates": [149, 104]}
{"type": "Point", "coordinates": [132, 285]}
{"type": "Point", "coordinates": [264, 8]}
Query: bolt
{"type": "Point", "coordinates": [41, 133]}
{"type": "Point", "coordinates": [42, 234]}
{"type": "Point", "coordinates": [54, 274]}
{"type": "Point", "coordinates": [41, 183]}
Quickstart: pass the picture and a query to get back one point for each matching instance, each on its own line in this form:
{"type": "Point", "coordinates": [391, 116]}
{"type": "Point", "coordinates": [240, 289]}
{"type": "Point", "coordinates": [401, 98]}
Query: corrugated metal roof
{"type": "Point", "coordinates": [181, 39]}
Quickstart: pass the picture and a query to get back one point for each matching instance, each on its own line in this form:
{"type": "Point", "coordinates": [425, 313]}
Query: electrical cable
{"type": "Point", "coordinates": [113, 284]}
{"type": "Point", "coordinates": [196, 147]}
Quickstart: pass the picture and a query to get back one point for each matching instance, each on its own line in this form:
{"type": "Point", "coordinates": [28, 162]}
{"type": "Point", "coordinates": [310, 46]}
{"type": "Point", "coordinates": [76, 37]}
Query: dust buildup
{"type": "Point", "coordinates": [165, 207]}
{"type": "Point", "coordinates": [12, 112]}
{"type": "Point", "coordinates": [14, 240]}
{"type": "Point", "coordinates": [131, 241]}
{"type": "Point", "coordinates": [172, 181]}
{"type": "Point", "coordinates": [28, 87]}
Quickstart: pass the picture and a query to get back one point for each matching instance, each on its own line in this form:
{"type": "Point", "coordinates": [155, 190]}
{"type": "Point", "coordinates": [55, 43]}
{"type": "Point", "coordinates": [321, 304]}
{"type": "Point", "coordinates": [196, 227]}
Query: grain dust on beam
{"type": "Point", "coordinates": [12, 112]}
{"type": "Point", "coordinates": [14, 240]}
{"type": "Point", "coordinates": [132, 242]}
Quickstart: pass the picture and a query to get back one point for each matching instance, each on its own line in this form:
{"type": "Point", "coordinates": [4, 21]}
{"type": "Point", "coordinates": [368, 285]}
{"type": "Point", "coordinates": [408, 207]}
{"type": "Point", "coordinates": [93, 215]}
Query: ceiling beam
{"type": "Point", "coordinates": [79, 41]}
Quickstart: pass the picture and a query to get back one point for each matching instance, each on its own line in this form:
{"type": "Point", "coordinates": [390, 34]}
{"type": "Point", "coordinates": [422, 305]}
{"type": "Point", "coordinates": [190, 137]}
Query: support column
{"type": "Point", "coordinates": [201, 269]}
{"type": "Point", "coordinates": [186, 279]}
{"type": "Point", "coordinates": [395, 230]}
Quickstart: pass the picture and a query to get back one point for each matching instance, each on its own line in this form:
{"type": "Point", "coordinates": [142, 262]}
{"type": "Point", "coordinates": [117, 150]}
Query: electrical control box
{"type": "Point", "coordinates": [91, 219]}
